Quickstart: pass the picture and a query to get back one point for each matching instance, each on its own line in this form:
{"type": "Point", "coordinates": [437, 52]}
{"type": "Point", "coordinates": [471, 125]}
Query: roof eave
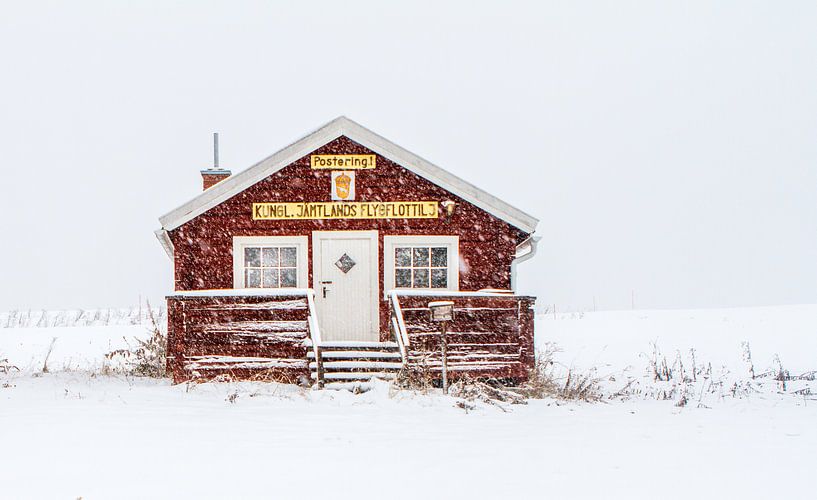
{"type": "Point", "coordinates": [343, 126]}
{"type": "Point", "coordinates": [164, 239]}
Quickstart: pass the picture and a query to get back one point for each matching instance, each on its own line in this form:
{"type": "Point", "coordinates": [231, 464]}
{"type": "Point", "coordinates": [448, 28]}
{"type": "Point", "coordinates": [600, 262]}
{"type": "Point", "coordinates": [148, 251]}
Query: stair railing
{"type": "Point", "coordinates": [398, 326]}
{"type": "Point", "coordinates": [315, 335]}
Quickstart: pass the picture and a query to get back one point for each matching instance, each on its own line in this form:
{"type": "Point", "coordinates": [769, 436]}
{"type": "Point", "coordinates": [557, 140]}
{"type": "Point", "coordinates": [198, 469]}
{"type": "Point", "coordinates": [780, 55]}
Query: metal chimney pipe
{"type": "Point", "coordinates": [215, 150]}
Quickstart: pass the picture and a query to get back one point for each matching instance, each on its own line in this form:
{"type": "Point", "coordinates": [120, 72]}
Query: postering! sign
{"type": "Point", "coordinates": [345, 162]}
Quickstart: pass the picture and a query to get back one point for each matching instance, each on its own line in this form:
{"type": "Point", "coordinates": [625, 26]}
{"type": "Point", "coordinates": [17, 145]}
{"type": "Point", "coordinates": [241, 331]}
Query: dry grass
{"type": "Point", "coordinates": [545, 382]}
{"type": "Point", "coordinates": [48, 355]}
{"type": "Point", "coordinates": [6, 367]}
{"type": "Point", "coordinates": [579, 387]}
{"type": "Point", "coordinates": [414, 377]}
{"type": "Point", "coordinates": [149, 357]}
{"type": "Point", "coordinates": [491, 392]}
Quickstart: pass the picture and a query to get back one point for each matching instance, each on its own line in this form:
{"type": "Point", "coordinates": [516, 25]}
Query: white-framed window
{"type": "Point", "coordinates": [270, 261]}
{"type": "Point", "coordinates": [421, 262]}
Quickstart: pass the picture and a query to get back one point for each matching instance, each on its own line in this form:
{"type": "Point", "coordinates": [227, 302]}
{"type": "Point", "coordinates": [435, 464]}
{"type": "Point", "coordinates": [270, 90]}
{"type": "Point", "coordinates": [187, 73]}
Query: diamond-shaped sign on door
{"type": "Point", "coordinates": [345, 263]}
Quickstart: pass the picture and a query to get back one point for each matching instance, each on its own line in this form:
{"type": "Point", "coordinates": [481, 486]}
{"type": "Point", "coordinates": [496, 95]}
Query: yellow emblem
{"type": "Point", "coordinates": [343, 185]}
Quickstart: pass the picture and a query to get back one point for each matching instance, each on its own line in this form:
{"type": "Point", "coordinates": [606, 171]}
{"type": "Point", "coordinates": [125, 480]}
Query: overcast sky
{"type": "Point", "coordinates": [669, 149]}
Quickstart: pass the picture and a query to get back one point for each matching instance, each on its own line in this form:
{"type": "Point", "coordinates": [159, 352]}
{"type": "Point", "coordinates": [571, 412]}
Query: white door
{"type": "Point", "coordinates": [344, 273]}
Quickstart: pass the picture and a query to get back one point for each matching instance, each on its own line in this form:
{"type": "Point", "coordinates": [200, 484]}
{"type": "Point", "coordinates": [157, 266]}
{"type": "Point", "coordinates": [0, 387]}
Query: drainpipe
{"type": "Point", "coordinates": [521, 256]}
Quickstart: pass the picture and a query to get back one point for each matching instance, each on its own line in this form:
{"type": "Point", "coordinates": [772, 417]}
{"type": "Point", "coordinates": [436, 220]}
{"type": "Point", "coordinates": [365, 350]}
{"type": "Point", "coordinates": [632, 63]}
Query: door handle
{"type": "Point", "coordinates": [324, 291]}
{"type": "Point", "coordinates": [325, 288]}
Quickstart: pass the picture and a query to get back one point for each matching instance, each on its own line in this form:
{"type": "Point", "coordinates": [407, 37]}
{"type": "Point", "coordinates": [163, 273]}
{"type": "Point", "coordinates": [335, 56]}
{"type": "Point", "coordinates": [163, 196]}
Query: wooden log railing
{"type": "Point", "coordinates": [266, 334]}
{"type": "Point", "coordinates": [398, 326]}
{"type": "Point", "coordinates": [315, 337]}
{"type": "Point", "coordinates": [491, 335]}
{"type": "Point", "coordinates": [240, 334]}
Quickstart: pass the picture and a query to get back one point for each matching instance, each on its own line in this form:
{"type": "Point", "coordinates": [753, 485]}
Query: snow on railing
{"type": "Point", "coordinates": [242, 292]}
{"type": "Point", "coordinates": [315, 335]}
{"type": "Point", "coordinates": [395, 328]}
{"type": "Point", "coordinates": [452, 293]}
{"type": "Point", "coordinates": [399, 326]}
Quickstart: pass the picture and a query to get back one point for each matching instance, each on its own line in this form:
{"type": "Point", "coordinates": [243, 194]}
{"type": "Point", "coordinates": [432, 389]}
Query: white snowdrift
{"type": "Point", "coordinates": [72, 434]}
{"type": "Point", "coordinates": [71, 348]}
{"type": "Point", "coordinates": [68, 435]}
{"type": "Point", "coordinates": [614, 340]}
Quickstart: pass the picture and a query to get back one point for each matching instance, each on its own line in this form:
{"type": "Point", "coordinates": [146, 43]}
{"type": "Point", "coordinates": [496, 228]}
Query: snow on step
{"type": "Point", "coordinates": [360, 365]}
{"type": "Point", "coordinates": [358, 344]}
{"type": "Point", "coordinates": [348, 386]}
{"type": "Point", "coordinates": [355, 375]}
{"type": "Point", "coordinates": [355, 354]}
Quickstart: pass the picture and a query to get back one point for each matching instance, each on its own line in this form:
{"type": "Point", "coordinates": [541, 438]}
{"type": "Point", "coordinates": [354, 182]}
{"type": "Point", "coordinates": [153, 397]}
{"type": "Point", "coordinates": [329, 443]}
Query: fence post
{"type": "Point", "coordinates": [319, 363]}
{"type": "Point", "coordinates": [444, 348]}
{"type": "Point", "coordinates": [442, 311]}
{"type": "Point", "coordinates": [525, 325]}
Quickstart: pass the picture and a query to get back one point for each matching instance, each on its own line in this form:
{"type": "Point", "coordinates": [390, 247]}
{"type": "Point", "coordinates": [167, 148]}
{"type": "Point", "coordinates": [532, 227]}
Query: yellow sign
{"type": "Point", "coordinates": [349, 162]}
{"type": "Point", "coordinates": [346, 210]}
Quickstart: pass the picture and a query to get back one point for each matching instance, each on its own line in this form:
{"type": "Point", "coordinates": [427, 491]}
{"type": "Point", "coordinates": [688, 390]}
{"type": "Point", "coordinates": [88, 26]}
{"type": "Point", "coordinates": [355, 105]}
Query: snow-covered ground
{"type": "Point", "coordinates": [74, 433]}
{"type": "Point", "coordinates": [615, 339]}
{"type": "Point", "coordinates": [67, 348]}
{"type": "Point", "coordinates": [72, 339]}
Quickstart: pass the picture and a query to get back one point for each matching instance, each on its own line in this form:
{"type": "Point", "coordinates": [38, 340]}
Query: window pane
{"type": "Point", "coordinates": [270, 257]}
{"type": "Point", "coordinates": [289, 278]}
{"type": "Point", "coordinates": [439, 278]}
{"type": "Point", "coordinates": [402, 257]}
{"type": "Point", "coordinates": [271, 278]}
{"type": "Point", "coordinates": [420, 257]}
{"type": "Point", "coordinates": [439, 257]}
{"type": "Point", "coordinates": [288, 257]}
{"type": "Point", "coordinates": [402, 278]}
{"type": "Point", "coordinates": [253, 278]}
{"type": "Point", "coordinates": [252, 257]}
{"type": "Point", "coordinates": [420, 278]}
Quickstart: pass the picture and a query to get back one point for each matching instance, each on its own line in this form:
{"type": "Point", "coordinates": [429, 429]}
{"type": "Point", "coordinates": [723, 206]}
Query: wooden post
{"type": "Point", "coordinates": [170, 358]}
{"type": "Point", "coordinates": [443, 348]}
{"type": "Point", "coordinates": [442, 311]}
{"type": "Point", "coordinates": [179, 347]}
{"type": "Point", "coordinates": [319, 363]}
{"type": "Point", "coordinates": [525, 325]}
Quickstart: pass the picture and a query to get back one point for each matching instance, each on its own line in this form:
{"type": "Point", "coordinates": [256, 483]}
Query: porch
{"type": "Point", "coordinates": [274, 334]}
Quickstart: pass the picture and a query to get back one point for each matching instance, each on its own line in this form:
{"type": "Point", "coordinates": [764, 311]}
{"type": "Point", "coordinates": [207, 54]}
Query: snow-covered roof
{"type": "Point", "coordinates": [338, 127]}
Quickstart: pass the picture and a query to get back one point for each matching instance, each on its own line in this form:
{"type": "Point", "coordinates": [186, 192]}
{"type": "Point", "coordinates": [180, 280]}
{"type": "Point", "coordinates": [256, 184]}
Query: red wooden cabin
{"type": "Point", "coordinates": [320, 261]}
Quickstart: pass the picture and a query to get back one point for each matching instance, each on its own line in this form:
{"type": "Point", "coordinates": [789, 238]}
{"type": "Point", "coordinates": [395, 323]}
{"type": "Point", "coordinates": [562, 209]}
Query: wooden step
{"type": "Point", "coordinates": [355, 375]}
{"type": "Point", "coordinates": [348, 386]}
{"type": "Point", "coordinates": [355, 355]}
{"type": "Point", "coordinates": [329, 366]}
{"type": "Point", "coordinates": [358, 345]}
